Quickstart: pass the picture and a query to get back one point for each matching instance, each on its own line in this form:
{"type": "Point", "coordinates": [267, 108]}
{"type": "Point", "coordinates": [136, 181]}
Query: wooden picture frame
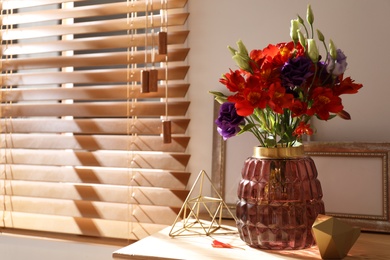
{"type": "Point", "coordinates": [355, 181]}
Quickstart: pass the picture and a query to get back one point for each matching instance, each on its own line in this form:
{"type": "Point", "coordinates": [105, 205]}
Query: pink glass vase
{"type": "Point", "coordinates": [279, 199]}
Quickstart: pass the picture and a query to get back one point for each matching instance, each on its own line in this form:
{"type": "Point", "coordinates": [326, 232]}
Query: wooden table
{"type": "Point", "coordinates": [198, 247]}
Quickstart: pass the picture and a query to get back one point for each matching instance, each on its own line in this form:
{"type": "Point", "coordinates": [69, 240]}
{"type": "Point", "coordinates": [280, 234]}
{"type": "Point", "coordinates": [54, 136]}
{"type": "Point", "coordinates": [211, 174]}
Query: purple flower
{"type": "Point", "coordinates": [228, 121]}
{"type": "Point", "coordinates": [296, 71]}
{"type": "Point", "coordinates": [338, 66]}
{"type": "Point", "coordinates": [323, 75]}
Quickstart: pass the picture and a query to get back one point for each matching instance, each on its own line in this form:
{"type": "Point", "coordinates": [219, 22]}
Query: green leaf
{"type": "Point", "coordinates": [256, 118]}
{"type": "Point", "coordinates": [247, 127]}
{"type": "Point", "coordinates": [219, 96]}
{"type": "Point", "coordinates": [217, 93]}
{"type": "Point", "coordinates": [220, 100]}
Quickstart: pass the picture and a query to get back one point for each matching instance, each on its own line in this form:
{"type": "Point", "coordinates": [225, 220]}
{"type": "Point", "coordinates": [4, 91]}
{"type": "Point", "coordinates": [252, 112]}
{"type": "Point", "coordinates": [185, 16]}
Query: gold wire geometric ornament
{"type": "Point", "coordinates": [191, 223]}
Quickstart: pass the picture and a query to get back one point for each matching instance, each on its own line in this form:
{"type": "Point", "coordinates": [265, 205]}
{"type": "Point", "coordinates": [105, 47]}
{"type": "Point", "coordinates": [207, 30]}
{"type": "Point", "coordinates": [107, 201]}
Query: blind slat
{"type": "Point", "coordinates": [102, 193]}
{"type": "Point", "coordinates": [96, 109]}
{"type": "Point", "coordinates": [91, 76]}
{"type": "Point", "coordinates": [99, 175]}
{"type": "Point", "coordinates": [95, 209]}
{"type": "Point", "coordinates": [144, 160]}
{"type": "Point", "coordinates": [80, 226]}
{"type": "Point", "coordinates": [91, 93]}
{"type": "Point", "coordinates": [91, 126]}
{"type": "Point", "coordinates": [105, 59]}
{"type": "Point", "coordinates": [95, 142]}
{"type": "Point", "coordinates": [14, 4]}
{"type": "Point", "coordinates": [90, 43]}
{"type": "Point", "coordinates": [91, 27]}
{"type": "Point", "coordinates": [85, 11]}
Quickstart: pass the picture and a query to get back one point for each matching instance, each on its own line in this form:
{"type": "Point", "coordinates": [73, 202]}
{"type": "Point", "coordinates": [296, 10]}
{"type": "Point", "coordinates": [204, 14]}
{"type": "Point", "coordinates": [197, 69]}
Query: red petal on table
{"type": "Point", "coordinates": [219, 244]}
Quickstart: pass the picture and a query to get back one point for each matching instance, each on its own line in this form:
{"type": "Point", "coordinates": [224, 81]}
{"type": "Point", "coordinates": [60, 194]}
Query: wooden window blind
{"type": "Point", "coordinates": [83, 149]}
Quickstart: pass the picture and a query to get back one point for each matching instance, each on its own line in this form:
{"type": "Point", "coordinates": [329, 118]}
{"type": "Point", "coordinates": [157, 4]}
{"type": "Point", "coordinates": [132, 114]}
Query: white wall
{"type": "Point", "coordinates": [358, 27]}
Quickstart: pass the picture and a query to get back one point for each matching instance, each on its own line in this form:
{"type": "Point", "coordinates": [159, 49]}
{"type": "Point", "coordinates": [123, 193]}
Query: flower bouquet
{"type": "Point", "coordinates": [277, 90]}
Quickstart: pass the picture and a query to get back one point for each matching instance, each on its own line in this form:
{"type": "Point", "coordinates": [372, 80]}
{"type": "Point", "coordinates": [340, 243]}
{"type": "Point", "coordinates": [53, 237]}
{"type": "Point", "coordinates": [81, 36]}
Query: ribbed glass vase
{"type": "Point", "coordinates": [279, 199]}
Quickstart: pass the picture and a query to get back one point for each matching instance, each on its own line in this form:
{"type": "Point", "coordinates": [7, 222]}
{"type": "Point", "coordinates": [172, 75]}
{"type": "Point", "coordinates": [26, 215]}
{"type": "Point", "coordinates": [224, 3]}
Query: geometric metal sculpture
{"type": "Point", "coordinates": [195, 206]}
{"type": "Point", "coordinates": [334, 238]}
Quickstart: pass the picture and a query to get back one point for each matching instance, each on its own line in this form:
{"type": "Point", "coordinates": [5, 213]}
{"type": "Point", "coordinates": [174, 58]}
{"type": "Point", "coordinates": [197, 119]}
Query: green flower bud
{"type": "Point", "coordinates": [332, 50]}
{"type": "Point", "coordinates": [302, 39]}
{"type": "Point", "coordinates": [312, 50]}
{"type": "Point", "coordinates": [242, 61]}
{"type": "Point", "coordinates": [300, 20]}
{"type": "Point", "coordinates": [344, 115]}
{"type": "Point", "coordinates": [241, 57]}
{"type": "Point", "coordinates": [294, 30]}
{"type": "Point", "coordinates": [320, 36]}
{"type": "Point", "coordinates": [232, 50]}
{"type": "Point", "coordinates": [309, 15]}
{"type": "Point", "coordinates": [241, 48]}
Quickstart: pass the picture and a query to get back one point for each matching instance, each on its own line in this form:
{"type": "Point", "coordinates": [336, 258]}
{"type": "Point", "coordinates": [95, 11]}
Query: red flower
{"type": "Point", "coordinates": [303, 129]}
{"type": "Point", "coordinates": [346, 86]}
{"type": "Point", "coordinates": [269, 61]}
{"type": "Point", "coordinates": [278, 98]}
{"type": "Point", "coordinates": [258, 56]}
{"type": "Point", "coordinates": [234, 81]}
{"type": "Point", "coordinates": [254, 95]}
{"type": "Point", "coordinates": [298, 108]}
{"type": "Point", "coordinates": [285, 53]}
{"type": "Point", "coordinates": [324, 102]}
{"type": "Point", "coordinates": [218, 244]}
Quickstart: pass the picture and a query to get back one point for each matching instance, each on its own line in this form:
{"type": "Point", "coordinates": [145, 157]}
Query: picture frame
{"type": "Point", "coordinates": [355, 181]}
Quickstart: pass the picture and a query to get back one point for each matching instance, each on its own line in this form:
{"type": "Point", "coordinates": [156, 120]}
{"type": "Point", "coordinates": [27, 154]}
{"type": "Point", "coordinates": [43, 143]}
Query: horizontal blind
{"type": "Point", "coordinates": [83, 148]}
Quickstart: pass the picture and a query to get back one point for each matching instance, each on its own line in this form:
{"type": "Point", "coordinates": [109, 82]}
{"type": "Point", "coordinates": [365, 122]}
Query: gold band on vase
{"type": "Point", "coordinates": [279, 152]}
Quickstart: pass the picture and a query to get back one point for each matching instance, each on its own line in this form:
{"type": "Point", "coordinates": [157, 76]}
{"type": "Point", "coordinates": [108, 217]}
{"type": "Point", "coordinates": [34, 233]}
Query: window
{"type": "Point", "coordinates": [87, 89]}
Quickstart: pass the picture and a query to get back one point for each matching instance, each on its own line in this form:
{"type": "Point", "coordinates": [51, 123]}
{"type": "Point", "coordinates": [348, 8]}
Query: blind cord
{"type": "Point", "coordinates": [166, 123]}
{"type": "Point", "coordinates": [130, 118]}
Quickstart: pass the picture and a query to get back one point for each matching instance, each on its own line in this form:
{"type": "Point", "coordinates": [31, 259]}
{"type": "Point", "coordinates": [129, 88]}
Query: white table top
{"type": "Point", "coordinates": [198, 247]}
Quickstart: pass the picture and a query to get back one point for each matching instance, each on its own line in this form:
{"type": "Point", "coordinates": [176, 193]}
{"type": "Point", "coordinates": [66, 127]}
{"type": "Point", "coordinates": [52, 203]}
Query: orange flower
{"type": "Point", "coordinates": [303, 129]}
